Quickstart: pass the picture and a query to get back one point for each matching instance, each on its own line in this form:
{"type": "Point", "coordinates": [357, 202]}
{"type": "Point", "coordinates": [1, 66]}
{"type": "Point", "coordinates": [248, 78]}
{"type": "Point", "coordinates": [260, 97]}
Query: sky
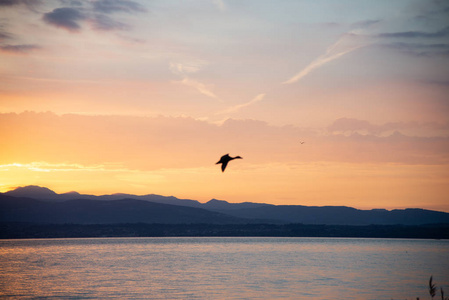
{"type": "Point", "coordinates": [328, 102]}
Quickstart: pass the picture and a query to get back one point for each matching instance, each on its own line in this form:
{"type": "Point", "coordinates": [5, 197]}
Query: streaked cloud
{"type": "Point", "coordinates": [18, 49]}
{"type": "Point", "coordinates": [42, 166]}
{"type": "Point", "coordinates": [352, 126]}
{"type": "Point", "coordinates": [202, 88]}
{"type": "Point", "coordinates": [186, 69]}
{"type": "Point", "coordinates": [31, 4]}
{"type": "Point", "coordinates": [335, 51]}
{"type": "Point", "coordinates": [72, 2]}
{"type": "Point", "coordinates": [111, 6]}
{"type": "Point", "coordinates": [104, 22]}
{"type": "Point", "coordinates": [235, 108]}
{"type": "Point", "coordinates": [442, 33]}
{"type": "Point", "coordinates": [4, 35]}
{"type": "Point", "coordinates": [420, 49]}
{"type": "Point", "coordinates": [365, 23]}
{"type": "Point", "coordinates": [9, 2]}
{"type": "Point", "coordinates": [9, 44]}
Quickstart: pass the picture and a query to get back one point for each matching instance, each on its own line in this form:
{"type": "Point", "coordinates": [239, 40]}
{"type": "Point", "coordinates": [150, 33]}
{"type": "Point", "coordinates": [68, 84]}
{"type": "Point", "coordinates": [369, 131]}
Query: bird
{"type": "Point", "coordinates": [224, 161]}
{"type": "Point", "coordinates": [301, 142]}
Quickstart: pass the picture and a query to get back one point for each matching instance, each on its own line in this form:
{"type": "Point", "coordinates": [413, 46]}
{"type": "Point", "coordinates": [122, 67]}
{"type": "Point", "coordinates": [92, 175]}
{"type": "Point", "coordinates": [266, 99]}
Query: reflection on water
{"type": "Point", "coordinates": [222, 268]}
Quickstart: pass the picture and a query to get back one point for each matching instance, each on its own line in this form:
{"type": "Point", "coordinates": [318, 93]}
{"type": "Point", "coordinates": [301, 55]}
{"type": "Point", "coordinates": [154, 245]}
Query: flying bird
{"type": "Point", "coordinates": [224, 161]}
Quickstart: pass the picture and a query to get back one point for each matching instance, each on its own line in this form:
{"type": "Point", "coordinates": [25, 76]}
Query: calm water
{"type": "Point", "coordinates": [222, 268]}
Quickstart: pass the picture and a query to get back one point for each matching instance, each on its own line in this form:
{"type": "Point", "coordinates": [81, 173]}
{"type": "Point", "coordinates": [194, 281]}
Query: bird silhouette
{"type": "Point", "coordinates": [224, 161]}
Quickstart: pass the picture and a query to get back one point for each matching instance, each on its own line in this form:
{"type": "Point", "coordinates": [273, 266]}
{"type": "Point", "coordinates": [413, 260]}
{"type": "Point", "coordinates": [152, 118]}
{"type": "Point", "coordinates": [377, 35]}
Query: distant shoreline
{"type": "Point", "coordinates": [14, 230]}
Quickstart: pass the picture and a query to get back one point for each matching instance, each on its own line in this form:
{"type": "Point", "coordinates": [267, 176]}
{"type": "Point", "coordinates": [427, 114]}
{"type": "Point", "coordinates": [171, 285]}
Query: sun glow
{"type": "Point", "coordinates": [343, 184]}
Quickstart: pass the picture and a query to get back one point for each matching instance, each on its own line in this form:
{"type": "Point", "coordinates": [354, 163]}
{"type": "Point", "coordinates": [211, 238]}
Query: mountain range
{"type": "Point", "coordinates": [41, 205]}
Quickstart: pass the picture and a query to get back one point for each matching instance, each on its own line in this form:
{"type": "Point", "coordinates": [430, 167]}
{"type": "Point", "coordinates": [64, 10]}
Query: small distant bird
{"type": "Point", "coordinates": [224, 161]}
{"type": "Point", "coordinates": [301, 142]}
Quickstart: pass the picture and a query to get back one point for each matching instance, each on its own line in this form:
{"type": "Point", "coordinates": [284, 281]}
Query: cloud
{"type": "Point", "coordinates": [219, 4]}
{"type": "Point", "coordinates": [417, 34]}
{"type": "Point", "coordinates": [104, 22]}
{"type": "Point", "coordinates": [416, 49]}
{"type": "Point", "coordinates": [365, 24]}
{"type": "Point", "coordinates": [444, 83]}
{"type": "Point", "coordinates": [41, 166]}
{"type": "Point", "coordinates": [335, 51]}
{"type": "Point", "coordinates": [111, 6]}
{"type": "Point", "coordinates": [9, 2]}
{"type": "Point", "coordinates": [184, 69]}
{"type": "Point", "coordinates": [7, 46]}
{"type": "Point", "coordinates": [147, 143]}
{"type": "Point", "coordinates": [28, 3]}
{"type": "Point", "coordinates": [4, 35]}
{"type": "Point", "coordinates": [71, 2]}
{"type": "Point", "coordinates": [200, 87]}
{"type": "Point", "coordinates": [19, 49]}
{"type": "Point", "coordinates": [65, 17]}
{"type": "Point", "coordinates": [240, 106]}
{"type": "Point", "coordinates": [96, 13]}
{"type": "Point", "coordinates": [352, 126]}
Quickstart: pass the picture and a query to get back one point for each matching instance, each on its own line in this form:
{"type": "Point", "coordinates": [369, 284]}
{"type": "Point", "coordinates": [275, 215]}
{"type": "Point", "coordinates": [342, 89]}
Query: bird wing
{"type": "Point", "coordinates": [223, 165]}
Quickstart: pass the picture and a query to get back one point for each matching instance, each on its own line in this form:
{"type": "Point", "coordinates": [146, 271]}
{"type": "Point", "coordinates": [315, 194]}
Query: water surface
{"type": "Point", "coordinates": [222, 268]}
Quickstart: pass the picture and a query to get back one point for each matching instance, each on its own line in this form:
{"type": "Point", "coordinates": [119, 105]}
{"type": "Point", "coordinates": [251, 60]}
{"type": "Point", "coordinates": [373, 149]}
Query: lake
{"type": "Point", "coordinates": [222, 268]}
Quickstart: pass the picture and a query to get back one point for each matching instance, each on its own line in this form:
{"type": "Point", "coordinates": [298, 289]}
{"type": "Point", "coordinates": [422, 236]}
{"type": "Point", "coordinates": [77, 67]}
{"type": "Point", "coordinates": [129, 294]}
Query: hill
{"type": "Point", "coordinates": [19, 209]}
{"type": "Point", "coordinates": [39, 204]}
{"type": "Point", "coordinates": [340, 215]}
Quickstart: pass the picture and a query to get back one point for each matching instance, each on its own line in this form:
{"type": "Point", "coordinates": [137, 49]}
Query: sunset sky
{"type": "Point", "coordinates": [144, 97]}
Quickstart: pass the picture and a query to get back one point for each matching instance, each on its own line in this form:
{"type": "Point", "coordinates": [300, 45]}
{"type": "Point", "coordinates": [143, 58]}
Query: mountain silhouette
{"type": "Point", "coordinates": [340, 215]}
{"type": "Point", "coordinates": [39, 204]}
{"type": "Point", "coordinates": [46, 194]}
{"type": "Point", "coordinates": [15, 209]}
{"type": "Point", "coordinates": [33, 191]}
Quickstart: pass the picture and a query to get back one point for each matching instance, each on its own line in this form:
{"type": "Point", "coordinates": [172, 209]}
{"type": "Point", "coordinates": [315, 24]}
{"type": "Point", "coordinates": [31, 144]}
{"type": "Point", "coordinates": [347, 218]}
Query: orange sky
{"type": "Point", "coordinates": [144, 98]}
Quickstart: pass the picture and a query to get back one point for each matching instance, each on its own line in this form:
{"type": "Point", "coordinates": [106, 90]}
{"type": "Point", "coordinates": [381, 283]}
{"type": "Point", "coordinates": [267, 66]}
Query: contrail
{"type": "Point", "coordinates": [331, 54]}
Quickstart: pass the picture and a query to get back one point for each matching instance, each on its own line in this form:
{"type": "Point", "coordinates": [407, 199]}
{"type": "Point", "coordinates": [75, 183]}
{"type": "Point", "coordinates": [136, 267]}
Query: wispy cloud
{"type": "Point", "coordinates": [352, 126]}
{"type": "Point", "coordinates": [9, 43]}
{"type": "Point", "coordinates": [104, 22]}
{"type": "Point", "coordinates": [185, 69]}
{"type": "Point", "coordinates": [240, 106]}
{"type": "Point", "coordinates": [110, 6]}
{"type": "Point", "coordinates": [200, 87]}
{"type": "Point", "coordinates": [4, 35]}
{"type": "Point", "coordinates": [417, 34]}
{"type": "Point", "coordinates": [42, 166]}
{"type": "Point", "coordinates": [219, 4]}
{"type": "Point", "coordinates": [334, 52]}
{"type": "Point", "coordinates": [365, 23]}
{"type": "Point", "coordinates": [18, 49]}
{"type": "Point", "coordinates": [419, 49]}
{"type": "Point", "coordinates": [31, 4]}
